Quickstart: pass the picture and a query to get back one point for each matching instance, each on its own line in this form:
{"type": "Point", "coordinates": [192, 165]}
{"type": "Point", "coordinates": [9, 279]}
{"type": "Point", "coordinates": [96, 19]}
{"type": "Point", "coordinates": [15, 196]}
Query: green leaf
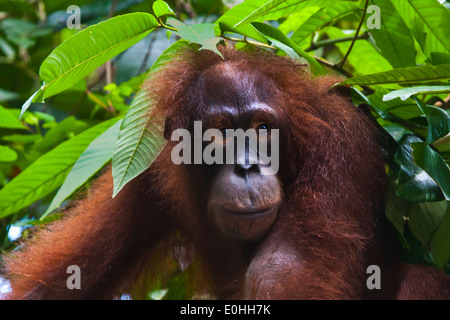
{"type": "Point", "coordinates": [21, 138]}
{"type": "Point", "coordinates": [394, 39]}
{"type": "Point", "coordinates": [396, 211]}
{"type": "Point", "coordinates": [387, 115]}
{"type": "Point", "coordinates": [23, 33]}
{"type": "Point", "coordinates": [323, 17]}
{"type": "Point", "coordinates": [424, 218]}
{"type": "Point", "coordinates": [7, 154]}
{"type": "Point", "coordinates": [271, 32]}
{"type": "Point", "coordinates": [9, 120]}
{"type": "Point", "coordinates": [96, 155]}
{"type": "Point", "coordinates": [364, 58]}
{"type": "Point", "coordinates": [227, 22]}
{"type": "Point", "coordinates": [403, 76]}
{"type": "Point", "coordinates": [161, 9]}
{"type": "Point", "coordinates": [405, 93]}
{"type": "Point", "coordinates": [405, 109]}
{"type": "Point", "coordinates": [46, 173]}
{"type": "Point", "coordinates": [88, 49]}
{"type": "Point", "coordinates": [141, 133]}
{"type": "Point", "coordinates": [438, 121]}
{"type": "Point", "coordinates": [261, 10]}
{"type": "Point", "coordinates": [202, 34]}
{"type": "Point", "coordinates": [296, 19]}
{"type": "Point", "coordinates": [429, 21]}
{"type": "Point", "coordinates": [432, 162]}
{"type": "Point", "coordinates": [440, 244]}
{"type": "Point", "coordinates": [414, 184]}
{"type": "Point", "coordinates": [64, 130]}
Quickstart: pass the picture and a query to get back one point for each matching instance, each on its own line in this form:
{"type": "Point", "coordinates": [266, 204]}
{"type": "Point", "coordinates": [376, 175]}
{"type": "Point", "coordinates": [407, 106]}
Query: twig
{"type": "Point", "coordinates": [108, 63]}
{"type": "Point", "coordinates": [341, 64]}
{"type": "Point", "coordinates": [324, 43]}
{"type": "Point", "coordinates": [147, 54]}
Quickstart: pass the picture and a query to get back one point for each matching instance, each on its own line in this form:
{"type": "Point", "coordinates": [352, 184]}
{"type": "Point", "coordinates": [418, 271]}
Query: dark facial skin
{"type": "Point", "coordinates": [242, 202]}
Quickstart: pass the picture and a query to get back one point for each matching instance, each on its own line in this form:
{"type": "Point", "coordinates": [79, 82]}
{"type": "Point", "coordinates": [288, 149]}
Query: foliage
{"type": "Point", "coordinates": [85, 107]}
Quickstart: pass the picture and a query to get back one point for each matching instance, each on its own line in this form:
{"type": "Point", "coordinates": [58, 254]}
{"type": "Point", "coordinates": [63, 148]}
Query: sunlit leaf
{"type": "Point", "coordinates": [91, 160]}
{"type": "Point", "coordinates": [7, 154]}
{"type": "Point", "coordinates": [276, 34]}
{"type": "Point", "coordinates": [203, 34]}
{"type": "Point", "coordinates": [260, 10]}
{"type": "Point", "coordinates": [429, 22]}
{"type": "Point", "coordinates": [141, 133]}
{"type": "Point", "coordinates": [394, 39]}
{"type": "Point", "coordinates": [161, 8]}
{"type": "Point", "coordinates": [322, 17]}
{"type": "Point", "coordinates": [88, 49]}
{"type": "Point", "coordinates": [403, 75]}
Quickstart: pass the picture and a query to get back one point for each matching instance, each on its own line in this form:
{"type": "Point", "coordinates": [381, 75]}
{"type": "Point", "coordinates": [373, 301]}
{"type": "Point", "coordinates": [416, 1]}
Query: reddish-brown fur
{"type": "Point", "coordinates": [330, 228]}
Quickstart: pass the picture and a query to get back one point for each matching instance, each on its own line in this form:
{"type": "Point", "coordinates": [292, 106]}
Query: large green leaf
{"type": "Point", "coordinates": [227, 24]}
{"type": "Point", "coordinates": [414, 184]}
{"type": "Point", "coordinates": [323, 17]}
{"type": "Point", "coordinates": [296, 19]}
{"type": "Point", "coordinates": [405, 109]}
{"type": "Point", "coordinates": [429, 21]}
{"type": "Point", "coordinates": [425, 217]}
{"type": "Point", "coordinates": [46, 173]}
{"type": "Point", "coordinates": [141, 133]}
{"type": "Point", "coordinates": [432, 162]}
{"type": "Point", "coordinates": [82, 53]}
{"type": "Point", "coordinates": [274, 33]}
{"type": "Point", "coordinates": [405, 93]}
{"type": "Point", "coordinates": [386, 114]}
{"type": "Point", "coordinates": [364, 58]}
{"type": "Point", "coordinates": [260, 10]}
{"type": "Point", "coordinates": [394, 39]}
{"type": "Point", "coordinates": [438, 121]}
{"type": "Point", "coordinates": [440, 244]}
{"type": "Point", "coordinates": [91, 160]}
{"type": "Point", "coordinates": [403, 75]}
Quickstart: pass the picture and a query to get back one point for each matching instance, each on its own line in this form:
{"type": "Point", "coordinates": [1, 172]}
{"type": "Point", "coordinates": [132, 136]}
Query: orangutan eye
{"type": "Point", "coordinates": [224, 131]}
{"type": "Point", "coordinates": [263, 126]}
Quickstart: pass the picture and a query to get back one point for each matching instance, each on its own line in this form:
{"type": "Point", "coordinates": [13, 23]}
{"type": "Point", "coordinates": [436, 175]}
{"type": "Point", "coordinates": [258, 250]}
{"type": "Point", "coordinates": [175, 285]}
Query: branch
{"type": "Point", "coordinates": [341, 64]}
{"type": "Point", "coordinates": [324, 43]}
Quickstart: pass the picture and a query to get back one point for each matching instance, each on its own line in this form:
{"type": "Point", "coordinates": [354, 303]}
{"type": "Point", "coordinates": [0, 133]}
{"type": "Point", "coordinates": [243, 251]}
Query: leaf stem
{"type": "Point", "coordinates": [165, 25]}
